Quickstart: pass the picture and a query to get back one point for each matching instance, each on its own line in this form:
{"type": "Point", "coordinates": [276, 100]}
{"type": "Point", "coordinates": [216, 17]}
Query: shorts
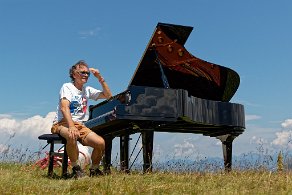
{"type": "Point", "coordinates": [83, 130]}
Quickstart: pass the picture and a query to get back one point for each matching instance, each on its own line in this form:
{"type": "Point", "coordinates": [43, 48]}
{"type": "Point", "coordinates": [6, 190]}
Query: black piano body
{"type": "Point", "coordinates": [171, 91]}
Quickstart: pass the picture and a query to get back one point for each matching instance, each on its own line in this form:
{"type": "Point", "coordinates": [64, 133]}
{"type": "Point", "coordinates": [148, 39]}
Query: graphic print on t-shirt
{"type": "Point", "coordinates": [84, 104]}
{"type": "Point", "coordinates": [78, 105]}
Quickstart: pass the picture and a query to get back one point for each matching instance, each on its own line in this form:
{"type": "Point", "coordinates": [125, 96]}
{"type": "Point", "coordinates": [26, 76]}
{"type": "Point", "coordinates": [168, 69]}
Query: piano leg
{"type": "Point", "coordinates": [147, 143]}
{"type": "Point", "coordinates": [107, 155]}
{"type": "Point", "coordinates": [124, 152]}
{"type": "Point", "coordinates": [227, 150]}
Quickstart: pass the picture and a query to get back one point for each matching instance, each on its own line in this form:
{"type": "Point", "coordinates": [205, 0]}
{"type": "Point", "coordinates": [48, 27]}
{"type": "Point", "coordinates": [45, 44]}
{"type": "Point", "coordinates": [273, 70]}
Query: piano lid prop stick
{"type": "Point", "coordinates": [163, 77]}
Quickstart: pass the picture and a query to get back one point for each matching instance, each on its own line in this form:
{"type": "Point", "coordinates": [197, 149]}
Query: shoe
{"type": "Point", "coordinates": [78, 172]}
{"type": "Point", "coordinates": [95, 172]}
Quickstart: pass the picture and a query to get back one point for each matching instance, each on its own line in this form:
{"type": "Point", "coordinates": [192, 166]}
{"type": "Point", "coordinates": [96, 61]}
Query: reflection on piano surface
{"type": "Point", "coordinates": [170, 91]}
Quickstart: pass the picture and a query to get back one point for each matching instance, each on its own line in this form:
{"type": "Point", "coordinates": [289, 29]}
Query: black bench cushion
{"type": "Point", "coordinates": [52, 137]}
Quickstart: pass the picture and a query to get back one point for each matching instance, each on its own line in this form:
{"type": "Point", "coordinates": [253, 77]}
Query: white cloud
{"type": "Point", "coordinates": [157, 151]}
{"type": "Point", "coordinates": [8, 126]}
{"type": "Point", "coordinates": [3, 148]}
{"type": "Point", "coordinates": [5, 116]}
{"type": "Point", "coordinates": [184, 149]}
{"type": "Point", "coordinates": [284, 139]}
{"type": "Point", "coordinates": [32, 127]}
{"type": "Point", "coordinates": [258, 140]}
{"type": "Point", "coordinates": [252, 117]}
{"type": "Point", "coordinates": [89, 33]}
{"type": "Point", "coordinates": [287, 123]}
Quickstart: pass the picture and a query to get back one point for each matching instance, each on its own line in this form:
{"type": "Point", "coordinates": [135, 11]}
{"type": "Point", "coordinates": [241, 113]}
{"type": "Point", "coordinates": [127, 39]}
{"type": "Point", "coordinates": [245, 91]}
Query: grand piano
{"type": "Point", "coordinates": [170, 91]}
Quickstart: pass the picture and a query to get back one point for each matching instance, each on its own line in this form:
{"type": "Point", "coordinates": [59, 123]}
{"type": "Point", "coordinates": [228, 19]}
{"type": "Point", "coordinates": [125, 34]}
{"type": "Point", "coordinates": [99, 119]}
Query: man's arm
{"type": "Point", "coordinates": [106, 93]}
{"type": "Point", "coordinates": [65, 109]}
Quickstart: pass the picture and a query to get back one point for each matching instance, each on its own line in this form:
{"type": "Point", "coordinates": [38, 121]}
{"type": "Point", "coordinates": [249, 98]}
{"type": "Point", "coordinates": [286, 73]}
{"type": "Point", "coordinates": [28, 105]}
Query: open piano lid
{"type": "Point", "coordinates": [167, 64]}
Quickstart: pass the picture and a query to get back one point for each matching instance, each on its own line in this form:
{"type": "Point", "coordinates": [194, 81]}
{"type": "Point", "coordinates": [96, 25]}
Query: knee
{"type": "Point", "coordinates": [100, 143]}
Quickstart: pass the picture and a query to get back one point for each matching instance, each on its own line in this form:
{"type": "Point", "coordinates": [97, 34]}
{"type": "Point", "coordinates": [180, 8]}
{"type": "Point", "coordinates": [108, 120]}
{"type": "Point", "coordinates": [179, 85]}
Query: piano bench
{"type": "Point", "coordinates": [53, 139]}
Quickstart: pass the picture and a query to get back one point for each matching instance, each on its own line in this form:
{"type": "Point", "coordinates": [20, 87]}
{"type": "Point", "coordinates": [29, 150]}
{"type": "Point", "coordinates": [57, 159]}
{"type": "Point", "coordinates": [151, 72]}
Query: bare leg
{"type": "Point", "coordinates": [72, 148]}
{"type": "Point", "coordinates": [97, 143]}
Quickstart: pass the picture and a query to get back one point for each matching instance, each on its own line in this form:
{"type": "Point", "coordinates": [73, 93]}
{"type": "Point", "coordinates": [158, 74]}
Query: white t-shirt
{"type": "Point", "coordinates": [78, 101]}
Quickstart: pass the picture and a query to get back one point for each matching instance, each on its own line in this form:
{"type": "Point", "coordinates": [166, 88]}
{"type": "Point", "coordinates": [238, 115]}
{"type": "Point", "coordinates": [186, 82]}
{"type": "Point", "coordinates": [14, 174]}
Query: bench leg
{"type": "Point", "coordinates": [65, 163]}
{"type": "Point", "coordinates": [51, 160]}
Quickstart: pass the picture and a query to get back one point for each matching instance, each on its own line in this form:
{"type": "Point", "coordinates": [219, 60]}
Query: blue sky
{"type": "Point", "coordinates": [40, 40]}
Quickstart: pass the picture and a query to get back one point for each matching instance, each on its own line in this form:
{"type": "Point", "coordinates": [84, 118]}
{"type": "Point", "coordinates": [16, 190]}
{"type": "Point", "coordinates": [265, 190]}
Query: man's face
{"type": "Point", "coordinates": [81, 74]}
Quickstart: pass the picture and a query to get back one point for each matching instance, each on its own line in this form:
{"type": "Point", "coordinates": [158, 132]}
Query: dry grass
{"type": "Point", "coordinates": [26, 179]}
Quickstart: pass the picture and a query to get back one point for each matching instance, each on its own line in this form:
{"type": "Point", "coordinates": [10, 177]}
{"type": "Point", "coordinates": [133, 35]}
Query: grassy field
{"type": "Point", "coordinates": [27, 179]}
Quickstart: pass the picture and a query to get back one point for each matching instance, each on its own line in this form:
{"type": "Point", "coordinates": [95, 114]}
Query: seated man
{"type": "Point", "coordinates": [70, 116]}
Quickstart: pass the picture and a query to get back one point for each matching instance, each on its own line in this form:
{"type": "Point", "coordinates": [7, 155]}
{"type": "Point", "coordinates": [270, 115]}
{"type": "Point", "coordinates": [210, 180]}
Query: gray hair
{"type": "Point", "coordinates": [75, 66]}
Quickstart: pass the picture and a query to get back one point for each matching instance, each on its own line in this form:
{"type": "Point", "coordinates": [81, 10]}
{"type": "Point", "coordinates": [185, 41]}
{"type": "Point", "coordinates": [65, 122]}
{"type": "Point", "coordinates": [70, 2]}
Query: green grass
{"type": "Point", "coordinates": [27, 179]}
